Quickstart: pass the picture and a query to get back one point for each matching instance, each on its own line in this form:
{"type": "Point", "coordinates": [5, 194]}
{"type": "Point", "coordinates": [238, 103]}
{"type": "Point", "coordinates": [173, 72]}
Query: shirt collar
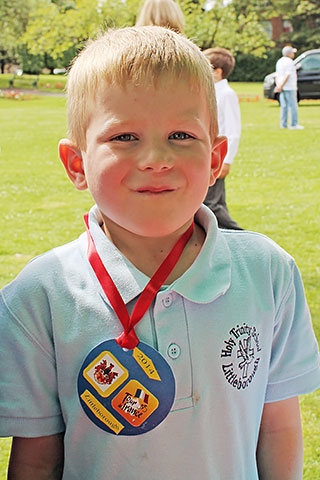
{"type": "Point", "coordinates": [208, 277]}
{"type": "Point", "coordinates": [221, 84]}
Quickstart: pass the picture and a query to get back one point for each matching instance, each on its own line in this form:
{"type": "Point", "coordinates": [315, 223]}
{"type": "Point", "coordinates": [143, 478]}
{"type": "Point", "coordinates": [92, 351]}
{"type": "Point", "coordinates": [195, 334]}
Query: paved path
{"type": "Point", "coordinates": [33, 92]}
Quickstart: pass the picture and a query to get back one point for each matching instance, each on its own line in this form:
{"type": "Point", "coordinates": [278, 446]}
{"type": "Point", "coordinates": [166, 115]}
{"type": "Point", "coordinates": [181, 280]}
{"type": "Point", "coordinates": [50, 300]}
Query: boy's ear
{"type": "Point", "coordinates": [219, 151]}
{"type": "Point", "coordinates": [71, 158]}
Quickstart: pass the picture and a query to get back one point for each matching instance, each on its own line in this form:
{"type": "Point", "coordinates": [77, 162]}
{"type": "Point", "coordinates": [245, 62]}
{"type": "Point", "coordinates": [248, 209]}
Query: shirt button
{"type": "Point", "coordinates": [174, 351]}
{"type": "Point", "coordinates": [167, 301]}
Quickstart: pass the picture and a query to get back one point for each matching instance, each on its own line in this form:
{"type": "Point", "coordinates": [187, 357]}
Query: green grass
{"type": "Point", "coordinates": [273, 188]}
{"type": "Point", "coordinates": [38, 205]}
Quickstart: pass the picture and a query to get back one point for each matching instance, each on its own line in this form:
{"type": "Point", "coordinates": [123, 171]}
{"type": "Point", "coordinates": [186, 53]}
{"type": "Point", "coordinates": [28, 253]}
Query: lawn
{"type": "Point", "coordinates": [273, 188]}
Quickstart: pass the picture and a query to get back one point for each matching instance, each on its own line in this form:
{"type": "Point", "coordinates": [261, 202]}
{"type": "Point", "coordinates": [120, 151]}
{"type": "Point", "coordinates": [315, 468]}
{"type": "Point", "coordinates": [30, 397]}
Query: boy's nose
{"type": "Point", "coordinates": [157, 159]}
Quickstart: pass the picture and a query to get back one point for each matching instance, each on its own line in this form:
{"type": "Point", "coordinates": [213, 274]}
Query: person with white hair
{"type": "Point", "coordinates": [286, 85]}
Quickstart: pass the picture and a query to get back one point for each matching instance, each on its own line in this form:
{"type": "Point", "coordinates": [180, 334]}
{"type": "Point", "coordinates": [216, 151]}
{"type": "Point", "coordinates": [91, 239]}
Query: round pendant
{"type": "Point", "coordinates": [126, 392]}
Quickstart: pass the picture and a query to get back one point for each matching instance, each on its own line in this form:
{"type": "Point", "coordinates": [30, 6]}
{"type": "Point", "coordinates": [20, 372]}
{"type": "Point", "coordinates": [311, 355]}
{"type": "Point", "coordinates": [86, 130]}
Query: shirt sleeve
{"type": "Point", "coordinates": [29, 405]}
{"type": "Point", "coordinates": [294, 366]}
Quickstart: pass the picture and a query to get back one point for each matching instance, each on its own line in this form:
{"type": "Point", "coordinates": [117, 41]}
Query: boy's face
{"type": "Point", "coordinates": [149, 159]}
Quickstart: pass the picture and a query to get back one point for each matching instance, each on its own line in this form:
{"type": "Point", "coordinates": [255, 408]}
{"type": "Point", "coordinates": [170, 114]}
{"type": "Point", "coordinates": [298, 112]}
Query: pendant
{"type": "Point", "coordinates": [126, 392]}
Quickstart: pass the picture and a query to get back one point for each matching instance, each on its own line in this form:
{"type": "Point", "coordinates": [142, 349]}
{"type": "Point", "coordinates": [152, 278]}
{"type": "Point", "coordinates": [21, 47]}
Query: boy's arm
{"type": "Point", "coordinates": [280, 445]}
{"type": "Point", "coordinates": [36, 458]}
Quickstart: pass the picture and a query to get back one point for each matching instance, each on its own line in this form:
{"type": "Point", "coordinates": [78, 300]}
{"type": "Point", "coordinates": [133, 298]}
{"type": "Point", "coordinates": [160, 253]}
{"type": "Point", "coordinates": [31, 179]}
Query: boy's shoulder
{"type": "Point", "coordinates": [256, 259]}
{"type": "Point", "coordinates": [45, 279]}
{"type": "Point", "coordinates": [48, 268]}
{"type": "Point", "coordinates": [58, 256]}
{"type": "Point", "coordinates": [255, 246]}
{"type": "Point", "coordinates": [245, 243]}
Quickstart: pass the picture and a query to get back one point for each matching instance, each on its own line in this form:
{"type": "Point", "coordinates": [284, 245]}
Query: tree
{"type": "Point", "coordinates": [119, 13]}
{"type": "Point", "coordinates": [13, 21]}
{"type": "Point", "coordinates": [56, 27]}
{"type": "Point", "coordinates": [305, 21]}
{"type": "Point", "coordinates": [235, 25]}
{"type": "Point", "coordinates": [52, 31]}
{"type": "Point", "coordinates": [304, 17]}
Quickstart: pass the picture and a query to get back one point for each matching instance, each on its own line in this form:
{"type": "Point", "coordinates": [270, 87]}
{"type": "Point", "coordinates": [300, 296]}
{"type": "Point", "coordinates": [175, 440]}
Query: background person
{"type": "Point", "coordinates": [164, 13]}
{"type": "Point", "coordinates": [286, 85]}
{"type": "Point", "coordinates": [229, 122]}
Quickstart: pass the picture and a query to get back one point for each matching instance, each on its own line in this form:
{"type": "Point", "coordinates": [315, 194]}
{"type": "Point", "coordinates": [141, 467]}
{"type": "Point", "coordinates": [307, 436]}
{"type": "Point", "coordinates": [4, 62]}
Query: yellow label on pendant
{"type": "Point", "coordinates": [100, 412]}
{"type": "Point", "coordinates": [146, 364]}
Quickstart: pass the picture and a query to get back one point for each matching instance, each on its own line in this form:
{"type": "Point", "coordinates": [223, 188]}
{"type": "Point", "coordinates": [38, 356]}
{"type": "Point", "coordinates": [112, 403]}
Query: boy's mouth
{"type": "Point", "coordinates": [155, 190]}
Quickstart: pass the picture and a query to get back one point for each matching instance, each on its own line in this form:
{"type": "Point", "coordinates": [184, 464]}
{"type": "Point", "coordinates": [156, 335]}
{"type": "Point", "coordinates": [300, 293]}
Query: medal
{"type": "Point", "coordinates": [126, 392]}
{"type": "Point", "coordinates": [125, 386]}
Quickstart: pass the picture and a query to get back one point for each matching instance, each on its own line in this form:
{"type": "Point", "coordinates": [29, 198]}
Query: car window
{"type": "Point", "coordinates": [311, 63]}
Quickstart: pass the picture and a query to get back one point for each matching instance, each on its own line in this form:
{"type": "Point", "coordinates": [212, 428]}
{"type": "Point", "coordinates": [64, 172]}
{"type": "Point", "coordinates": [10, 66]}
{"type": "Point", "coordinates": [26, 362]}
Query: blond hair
{"type": "Point", "coordinates": [136, 55]}
{"type": "Point", "coordinates": [163, 13]}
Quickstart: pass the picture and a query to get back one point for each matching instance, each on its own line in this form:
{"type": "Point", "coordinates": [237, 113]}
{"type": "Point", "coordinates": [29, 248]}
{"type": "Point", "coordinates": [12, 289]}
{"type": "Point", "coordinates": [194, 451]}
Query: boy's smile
{"type": "Point", "coordinates": [149, 158]}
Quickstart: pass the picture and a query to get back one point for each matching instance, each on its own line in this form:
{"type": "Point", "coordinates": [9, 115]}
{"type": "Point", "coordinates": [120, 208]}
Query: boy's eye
{"type": "Point", "coordinates": [179, 136]}
{"type": "Point", "coordinates": [124, 137]}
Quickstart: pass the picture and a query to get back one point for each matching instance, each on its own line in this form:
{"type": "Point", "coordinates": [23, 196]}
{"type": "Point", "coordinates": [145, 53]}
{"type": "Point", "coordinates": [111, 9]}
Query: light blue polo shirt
{"type": "Point", "coordinates": [235, 329]}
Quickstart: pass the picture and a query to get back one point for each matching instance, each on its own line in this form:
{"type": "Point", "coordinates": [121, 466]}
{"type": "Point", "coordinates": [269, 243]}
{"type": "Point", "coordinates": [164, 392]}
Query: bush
{"type": "Point", "coordinates": [253, 69]}
{"type": "Point", "coordinates": [31, 64]}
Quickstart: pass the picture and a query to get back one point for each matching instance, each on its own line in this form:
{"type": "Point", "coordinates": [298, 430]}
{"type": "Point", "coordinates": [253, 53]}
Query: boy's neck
{"type": "Point", "coordinates": [217, 75]}
{"type": "Point", "coordinates": [147, 254]}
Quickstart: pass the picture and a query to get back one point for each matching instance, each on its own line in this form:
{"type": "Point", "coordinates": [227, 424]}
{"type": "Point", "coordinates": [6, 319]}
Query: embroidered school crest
{"type": "Point", "coordinates": [240, 356]}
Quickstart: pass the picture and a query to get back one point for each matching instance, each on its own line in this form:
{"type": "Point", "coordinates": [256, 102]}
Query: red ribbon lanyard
{"type": "Point", "coordinates": [128, 338]}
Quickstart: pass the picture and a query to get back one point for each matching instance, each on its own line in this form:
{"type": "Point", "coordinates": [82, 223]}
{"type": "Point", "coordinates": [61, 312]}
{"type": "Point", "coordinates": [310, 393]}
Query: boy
{"type": "Point", "coordinates": [229, 122]}
{"type": "Point", "coordinates": [195, 373]}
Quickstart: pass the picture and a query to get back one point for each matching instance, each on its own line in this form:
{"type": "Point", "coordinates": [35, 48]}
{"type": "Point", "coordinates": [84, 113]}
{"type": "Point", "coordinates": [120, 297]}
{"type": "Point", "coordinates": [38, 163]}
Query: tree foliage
{"type": "Point", "coordinates": [56, 27]}
{"type": "Point", "coordinates": [13, 21]}
{"type": "Point", "coordinates": [236, 26]}
{"type": "Point", "coordinates": [50, 32]}
{"type": "Point", "coordinates": [119, 13]}
{"type": "Point", "coordinates": [306, 24]}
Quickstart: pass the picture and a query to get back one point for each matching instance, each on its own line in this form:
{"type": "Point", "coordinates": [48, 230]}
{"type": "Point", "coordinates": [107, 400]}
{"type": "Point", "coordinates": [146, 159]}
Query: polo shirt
{"type": "Point", "coordinates": [285, 66]}
{"type": "Point", "coordinates": [235, 329]}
